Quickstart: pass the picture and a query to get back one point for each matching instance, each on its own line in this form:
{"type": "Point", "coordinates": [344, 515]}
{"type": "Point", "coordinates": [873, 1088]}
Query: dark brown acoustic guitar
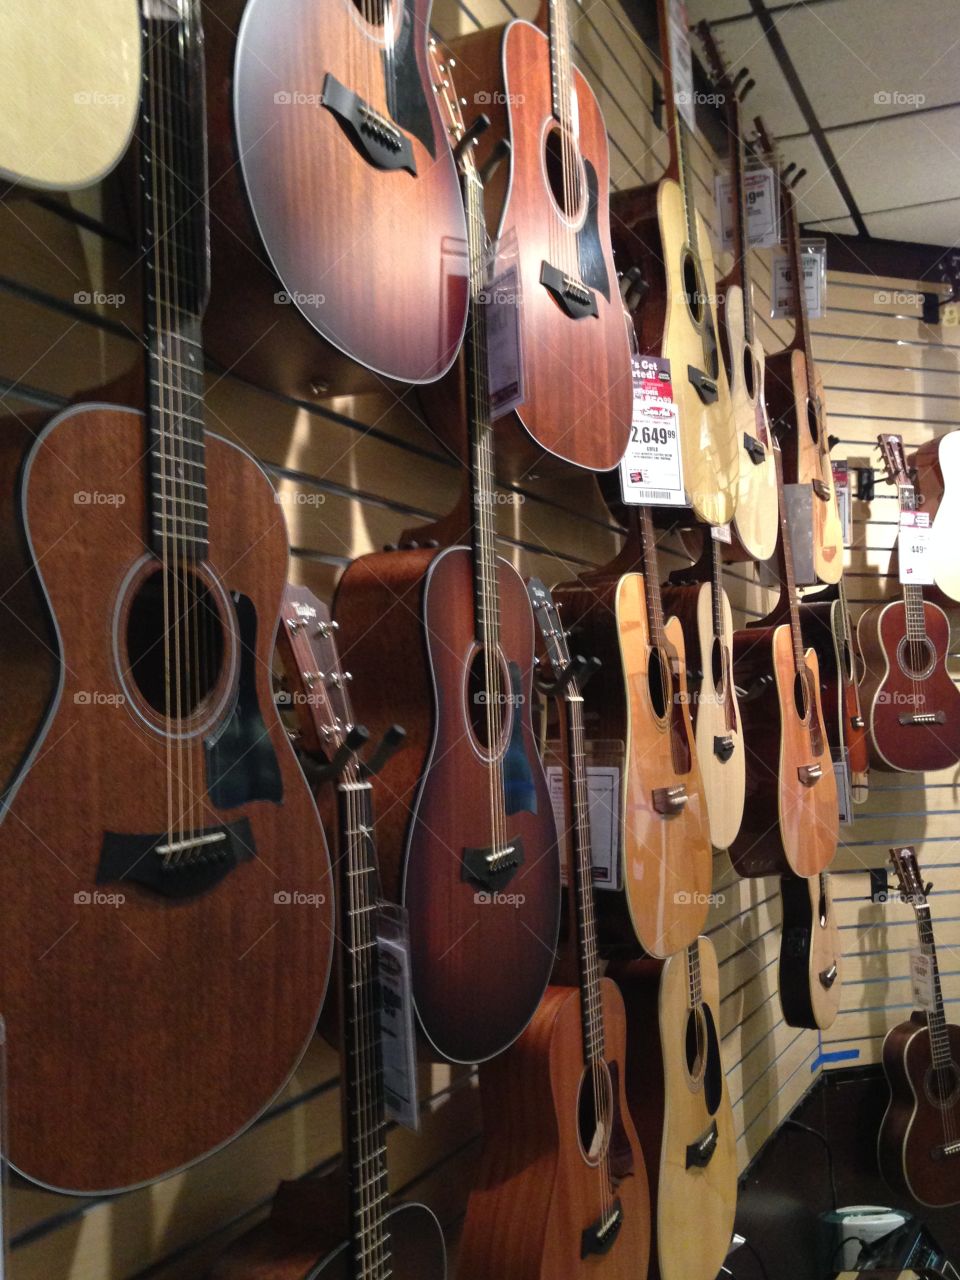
{"type": "Point", "coordinates": [342, 1224]}
{"type": "Point", "coordinates": [338, 236]}
{"type": "Point", "coordinates": [159, 838]}
{"type": "Point", "coordinates": [811, 957]}
{"type": "Point", "coordinates": [441, 638]}
{"type": "Point", "coordinates": [919, 1143]}
{"type": "Point", "coordinates": [562, 1192]}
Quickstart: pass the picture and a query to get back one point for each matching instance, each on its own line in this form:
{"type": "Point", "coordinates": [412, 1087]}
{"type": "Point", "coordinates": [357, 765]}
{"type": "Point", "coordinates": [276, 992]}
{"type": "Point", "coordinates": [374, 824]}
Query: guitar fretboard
{"type": "Point", "coordinates": [785, 560]}
{"type": "Point", "coordinates": [651, 578]}
{"type": "Point", "coordinates": [936, 1017]}
{"type": "Point", "coordinates": [694, 977]}
{"type": "Point", "coordinates": [915, 616]}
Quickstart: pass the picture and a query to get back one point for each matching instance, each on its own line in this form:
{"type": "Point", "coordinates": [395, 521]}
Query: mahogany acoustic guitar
{"type": "Point", "coordinates": [810, 980]}
{"type": "Point", "coordinates": [637, 711]}
{"type": "Point", "coordinates": [919, 1142]}
{"type": "Point", "coordinates": [334, 195]}
{"type": "Point", "coordinates": [795, 400]}
{"type": "Point", "coordinates": [912, 705]}
{"type": "Point", "coordinates": [658, 232]}
{"type": "Point", "coordinates": [678, 1098]}
{"type": "Point", "coordinates": [562, 1190]}
{"type": "Point", "coordinates": [791, 820]}
{"type": "Point", "coordinates": [159, 838]}
{"type": "Point", "coordinates": [342, 1224]}
{"type": "Point", "coordinates": [554, 193]}
{"type": "Point", "coordinates": [755, 520]}
{"type": "Point", "coordinates": [442, 639]}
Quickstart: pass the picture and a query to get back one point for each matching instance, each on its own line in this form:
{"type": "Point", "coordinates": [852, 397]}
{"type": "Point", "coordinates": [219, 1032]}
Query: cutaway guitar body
{"type": "Point", "coordinates": [827, 628]}
{"type": "Point", "coordinates": [810, 980]}
{"type": "Point", "coordinates": [678, 1099]}
{"type": "Point", "coordinates": [937, 466]}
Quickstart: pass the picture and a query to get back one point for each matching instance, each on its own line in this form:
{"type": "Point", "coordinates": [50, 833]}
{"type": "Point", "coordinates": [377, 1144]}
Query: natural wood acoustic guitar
{"type": "Point", "coordinates": [810, 979]}
{"type": "Point", "coordinates": [937, 468]}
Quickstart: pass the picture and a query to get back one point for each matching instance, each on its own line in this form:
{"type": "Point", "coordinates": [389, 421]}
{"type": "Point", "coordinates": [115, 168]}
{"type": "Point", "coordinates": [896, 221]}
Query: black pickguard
{"type": "Point", "coordinates": [241, 762]}
{"type": "Point", "coordinates": [406, 94]}
{"type": "Point", "coordinates": [593, 271]}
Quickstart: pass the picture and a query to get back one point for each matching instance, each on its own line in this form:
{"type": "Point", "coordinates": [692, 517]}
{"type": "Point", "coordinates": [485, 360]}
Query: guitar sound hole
{"type": "Point", "coordinates": [801, 695]}
{"type": "Point", "coordinates": [717, 666]}
{"type": "Point", "coordinates": [813, 422]}
{"type": "Point", "coordinates": [695, 1044]}
{"type": "Point", "coordinates": [487, 708]}
{"type": "Point", "coordinates": [659, 683]}
{"type": "Point", "coordinates": [566, 194]}
{"type": "Point", "coordinates": [175, 675]}
{"type": "Point", "coordinates": [749, 372]}
{"type": "Point", "coordinates": [372, 11]}
{"type": "Point", "coordinates": [595, 1112]}
{"type": "Point", "coordinates": [916, 657]}
{"type": "Point", "coordinates": [943, 1085]}
{"type": "Point", "coordinates": [692, 287]}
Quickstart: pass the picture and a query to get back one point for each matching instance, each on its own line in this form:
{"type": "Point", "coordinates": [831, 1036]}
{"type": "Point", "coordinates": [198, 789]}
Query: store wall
{"type": "Point", "coordinates": [352, 474]}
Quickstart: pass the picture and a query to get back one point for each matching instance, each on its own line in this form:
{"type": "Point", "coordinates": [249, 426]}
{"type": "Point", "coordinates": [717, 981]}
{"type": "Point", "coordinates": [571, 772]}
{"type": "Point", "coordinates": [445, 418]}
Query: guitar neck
{"type": "Point", "coordinates": [741, 266]}
{"type": "Point", "coordinates": [801, 333]}
{"type": "Point", "coordinates": [694, 976]}
{"type": "Point", "coordinates": [561, 63]}
{"type": "Point", "coordinates": [651, 578]}
{"type": "Point", "coordinates": [678, 166]}
{"type": "Point", "coordinates": [365, 1135]}
{"type": "Point", "coordinates": [914, 613]}
{"type": "Point", "coordinates": [591, 1010]}
{"type": "Point", "coordinates": [936, 1017]}
{"type": "Point", "coordinates": [716, 586]}
{"type": "Point", "coordinates": [785, 561]}
{"type": "Point", "coordinates": [173, 173]}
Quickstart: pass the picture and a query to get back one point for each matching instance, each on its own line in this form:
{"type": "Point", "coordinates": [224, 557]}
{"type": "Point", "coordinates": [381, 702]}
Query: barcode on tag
{"type": "Point", "coordinates": [921, 976]}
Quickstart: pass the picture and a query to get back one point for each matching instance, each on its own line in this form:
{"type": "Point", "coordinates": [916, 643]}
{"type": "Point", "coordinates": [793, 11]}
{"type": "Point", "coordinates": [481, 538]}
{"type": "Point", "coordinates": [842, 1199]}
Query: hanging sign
{"type": "Point", "coordinates": [681, 62]}
{"type": "Point", "coordinates": [914, 548]}
{"type": "Point", "coordinates": [761, 198]}
{"type": "Point", "coordinates": [813, 260]}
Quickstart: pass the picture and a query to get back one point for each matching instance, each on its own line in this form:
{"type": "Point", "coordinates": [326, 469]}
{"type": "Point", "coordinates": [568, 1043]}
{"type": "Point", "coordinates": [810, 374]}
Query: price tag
{"type": "Point", "coordinates": [721, 533]}
{"type": "Point", "coordinates": [681, 62]}
{"type": "Point", "coordinates": [921, 977]}
{"type": "Point", "coordinates": [397, 1033]}
{"type": "Point", "coordinates": [603, 791]}
{"type": "Point", "coordinates": [841, 771]}
{"type": "Point", "coordinates": [651, 470]}
{"type": "Point", "coordinates": [813, 260]}
{"type": "Point", "coordinates": [841, 482]}
{"type": "Point", "coordinates": [504, 363]}
{"type": "Point", "coordinates": [760, 192]}
{"type": "Point", "coordinates": [914, 548]}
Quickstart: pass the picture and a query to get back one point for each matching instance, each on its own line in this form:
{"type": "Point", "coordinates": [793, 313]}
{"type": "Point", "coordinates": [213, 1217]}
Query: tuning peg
{"type": "Point", "coordinates": [351, 744]}
{"type": "Point", "coordinates": [325, 629]}
{"type": "Point", "coordinates": [389, 744]}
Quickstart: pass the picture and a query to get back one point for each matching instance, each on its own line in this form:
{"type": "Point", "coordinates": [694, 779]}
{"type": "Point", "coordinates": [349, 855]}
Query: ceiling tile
{"type": "Point", "coordinates": [930, 224]}
{"type": "Point", "coordinates": [910, 160]}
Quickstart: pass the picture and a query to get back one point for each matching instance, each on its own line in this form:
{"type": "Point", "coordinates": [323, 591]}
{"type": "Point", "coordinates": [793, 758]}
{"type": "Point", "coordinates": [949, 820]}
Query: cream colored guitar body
{"type": "Point", "coordinates": [69, 91]}
{"type": "Point", "coordinates": [756, 521]}
{"type": "Point", "coordinates": [711, 457]}
{"type": "Point", "coordinates": [946, 524]}
{"type": "Point", "coordinates": [724, 780]}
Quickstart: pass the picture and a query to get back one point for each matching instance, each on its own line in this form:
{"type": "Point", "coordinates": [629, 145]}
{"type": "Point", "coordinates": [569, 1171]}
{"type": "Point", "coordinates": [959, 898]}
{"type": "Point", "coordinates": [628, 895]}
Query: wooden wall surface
{"type": "Point", "coordinates": [352, 473]}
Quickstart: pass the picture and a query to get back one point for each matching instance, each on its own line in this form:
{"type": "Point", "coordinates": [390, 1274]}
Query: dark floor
{"type": "Point", "coordinates": [789, 1184]}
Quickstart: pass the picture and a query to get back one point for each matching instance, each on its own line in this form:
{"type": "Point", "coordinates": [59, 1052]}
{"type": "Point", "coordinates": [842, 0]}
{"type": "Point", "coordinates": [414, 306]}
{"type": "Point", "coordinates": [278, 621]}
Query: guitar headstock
{"type": "Point", "coordinates": [441, 77]}
{"type": "Point", "coordinates": [318, 683]}
{"type": "Point", "coordinates": [551, 628]}
{"type": "Point", "coordinates": [912, 890]}
{"type": "Point", "coordinates": [894, 459]}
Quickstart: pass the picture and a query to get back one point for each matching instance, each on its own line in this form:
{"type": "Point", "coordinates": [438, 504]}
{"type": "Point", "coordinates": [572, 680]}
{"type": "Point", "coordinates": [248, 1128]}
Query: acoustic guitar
{"type": "Point", "coordinates": [912, 704]}
{"type": "Point", "coordinates": [795, 400]}
{"type": "Point", "coordinates": [755, 521]}
{"type": "Point", "coordinates": [441, 637]}
{"type": "Point", "coordinates": [554, 193]}
{"type": "Point", "coordinates": [827, 629]}
{"type": "Point", "coordinates": [334, 195]}
{"type": "Point", "coordinates": [562, 1190]}
{"type": "Point", "coordinates": [343, 1223]}
{"type": "Point", "coordinates": [919, 1142]}
{"type": "Point", "coordinates": [937, 468]}
{"type": "Point", "coordinates": [160, 841]}
{"type": "Point", "coordinates": [678, 1098]}
{"type": "Point", "coordinates": [637, 715]}
{"type": "Point", "coordinates": [707, 623]}
{"type": "Point", "coordinates": [658, 233]}
{"type": "Point", "coordinates": [69, 91]}
{"type": "Point", "coordinates": [791, 820]}
{"type": "Point", "coordinates": [810, 978]}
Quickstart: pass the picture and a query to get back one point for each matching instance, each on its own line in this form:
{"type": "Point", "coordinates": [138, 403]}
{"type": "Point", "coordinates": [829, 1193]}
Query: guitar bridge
{"type": "Point", "coordinates": [828, 977]}
{"type": "Point", "coordinates": [754, 449]}
{"type": "Point", "coordinates": [705, 387]}
{"type": "Point", "coordinates": [573, 295]}
{"type": "Point", "coordinates": [820, 489]}
{"type": "Point", "coordinates": [491, 869]}
{"type": "Point", "coordinates": [809, 774]}
{"type": "Point", "coordinates": [599, 1238]}
{"type": "Point", "coordinates": [668, 800]}
{"type": "Point", "coordinates": [374, 136]}
{"type": "Point", "coordinates": [723, 748]}
{"type": "Point", "coordinates": [945, 1150]}
{"type": "Point", "coordinates": [179, 868]}
{"type": "Point", "coordinates": [701, 1152]}
{"type": "Point", "coordinates": [923, 717]}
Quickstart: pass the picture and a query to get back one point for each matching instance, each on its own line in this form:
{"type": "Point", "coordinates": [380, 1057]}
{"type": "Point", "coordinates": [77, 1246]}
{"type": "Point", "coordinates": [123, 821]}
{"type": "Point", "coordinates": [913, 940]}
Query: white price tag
{"type": "Point", "coordinates": [504, 360]}
{"type": "Point", "coordinates": [651, 470]}
{"type": "Point", "coordinates": [813, 258]}
{"type": "Point", "coordinates": [921, 977]}
{"type": "Point", "coordinates": [841, 482]}
{"type": "Point", "coordinates": [914, 548]}
{"type": "Point", "coordinates": [681, 61]}
{"type": "Point", "coordinates": [721, 533]}
{"type": "Point", "coordinates": [397, 1033]}
{"type": "Point", "coordinates": [760, 199]}
{"type": "Point", "coordinates": [841, 772]}
{"type": "Point", "coordinates": [603, 791]}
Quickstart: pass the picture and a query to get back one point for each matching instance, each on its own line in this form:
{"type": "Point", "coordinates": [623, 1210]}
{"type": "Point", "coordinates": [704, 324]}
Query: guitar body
{"type": "Point", "coordinates": [306, 1238]}
{"type": "Point", "coordinates": [288, 175]}
{"type": "Point", "coordinates": [650, 233]}
{"type": "Point", "coordinates": [720, 749]}
{"type": "Point", "coordinates": [578, 387]}
{"type": "Point", "coordinates": [536, 1192]}
{"type": "Point", "coordinates": [822, 625]}
{"type": "Point", "coordinates": [666, 859]}
{"type": "Point", "coordinates": [938, 468]}
{"type": "Point", "coordinates": [892, 688]}
{"type": "Point", "coordinates": [789, 826]}
{"type": "Point", "coordinates": [129, 993]}
{"type": "Point", "coordinates": [674, 1101]}
{"type": "Point", "coordinates": [915, 1125]}
{"type": "Point", "coordinates": [407, 631]}
{"type": "Point", "coordinates": [756, 517]}
{"type": "Point", "coordinates": [792, 409]}
{"type": "Point", "coordinates": [810, 978]}
{"type": "Point", "coordinates": [87, 60]}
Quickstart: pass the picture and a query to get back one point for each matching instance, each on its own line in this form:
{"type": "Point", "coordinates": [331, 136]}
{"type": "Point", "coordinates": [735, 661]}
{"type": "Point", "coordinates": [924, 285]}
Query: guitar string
{"type": "Point", "coordinates": [559, 11]}
{"type": "Point", "coordinates": [939, 1081]}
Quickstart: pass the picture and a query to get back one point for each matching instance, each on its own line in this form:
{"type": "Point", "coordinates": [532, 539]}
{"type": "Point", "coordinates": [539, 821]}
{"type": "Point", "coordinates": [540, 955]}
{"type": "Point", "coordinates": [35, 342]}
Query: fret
{"type": "Point", "coordinates": [200, 464]}
{"type": "Point", "coordinates": [651, 579]}
{"type": "Point", "coordinates": [180, 481]}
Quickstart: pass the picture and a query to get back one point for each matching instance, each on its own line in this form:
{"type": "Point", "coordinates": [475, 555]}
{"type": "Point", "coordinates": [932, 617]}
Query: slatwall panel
{"type": "Point", "coordinates": [884, 370]}
{"type": "Point", "coordinates": [353, 472]}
